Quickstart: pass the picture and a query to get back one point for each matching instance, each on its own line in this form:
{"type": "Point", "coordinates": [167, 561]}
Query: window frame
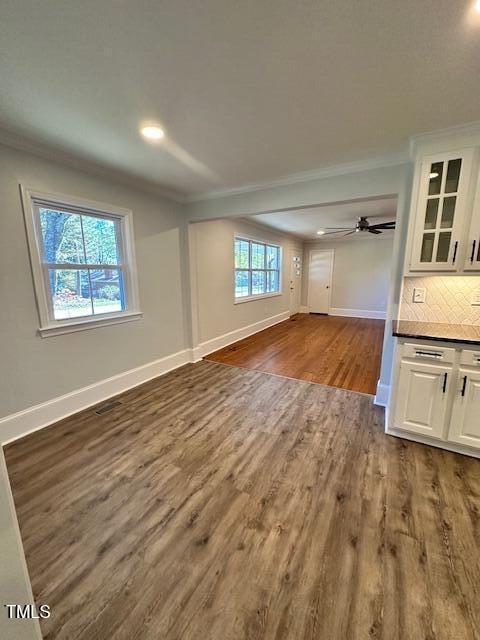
{"type": "Point", "coordinates": [257, 296]}
{"type": "Point", "coordinates": [49, 326]}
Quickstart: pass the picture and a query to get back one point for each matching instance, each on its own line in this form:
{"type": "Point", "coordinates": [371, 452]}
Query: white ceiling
{"type": "Point", "coordinates": [305, 223]}
{"type": "Point", "coordinates": [247, 91]}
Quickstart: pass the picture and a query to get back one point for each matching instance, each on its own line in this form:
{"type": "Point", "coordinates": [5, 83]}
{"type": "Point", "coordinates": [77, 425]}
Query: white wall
{"type": "Point", "coordinates": [361, 273]}
{"type": "Point", "coordinates": [214, 263]}
{"type": "Point", "coordinates": [14, 582]}
{"type": "Point", "coordinates": [35, 369]}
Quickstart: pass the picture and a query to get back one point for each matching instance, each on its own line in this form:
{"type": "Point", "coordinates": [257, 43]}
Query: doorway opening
{"type": "Point", "coordinates": [335, 287]}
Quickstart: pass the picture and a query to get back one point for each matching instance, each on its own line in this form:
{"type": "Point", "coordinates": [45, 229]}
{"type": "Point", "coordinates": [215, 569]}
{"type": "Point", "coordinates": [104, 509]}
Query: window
{"type": "Point", "coordinates": [257, 269]}
{"type": "Point", "coordinates": [82, 261]}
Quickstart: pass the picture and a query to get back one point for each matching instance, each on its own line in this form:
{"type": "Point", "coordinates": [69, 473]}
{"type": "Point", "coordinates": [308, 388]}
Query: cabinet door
{"type": "Point", "coordinates": [440, 212]}
{"type": "Point", "coordinates": [465, 422]}
{"type": "Point", "coordinates": [422, 398]}
{"type": "Point", "coordinates": [472, 257]}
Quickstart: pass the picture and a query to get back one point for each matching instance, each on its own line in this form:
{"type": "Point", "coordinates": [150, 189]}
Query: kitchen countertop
{"type": "Point", "coordinates": [464, 333]}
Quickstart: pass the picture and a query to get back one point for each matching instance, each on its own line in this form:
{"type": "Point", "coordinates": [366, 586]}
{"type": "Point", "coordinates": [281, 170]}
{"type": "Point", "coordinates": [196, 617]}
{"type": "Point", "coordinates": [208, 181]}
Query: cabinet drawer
{"type": "Point", "coordinates": [470, 358]}
{"type": "Point", "coordinates": [430, 353]}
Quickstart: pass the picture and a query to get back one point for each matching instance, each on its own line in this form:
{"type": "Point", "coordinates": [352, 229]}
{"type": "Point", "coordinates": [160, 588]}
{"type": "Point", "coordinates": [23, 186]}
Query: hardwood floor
{"type": "Point", "coordinates": [223, 503]}
{"type": "Point", "coordinates": [340, 352]}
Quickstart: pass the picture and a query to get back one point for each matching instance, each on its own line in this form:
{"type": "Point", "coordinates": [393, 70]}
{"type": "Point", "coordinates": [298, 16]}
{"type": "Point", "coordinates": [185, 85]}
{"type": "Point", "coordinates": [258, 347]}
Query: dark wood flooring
{"type": "Point", "coordinates": [340, 352]}
{"type": "Point", "coordinates": [226, 504]}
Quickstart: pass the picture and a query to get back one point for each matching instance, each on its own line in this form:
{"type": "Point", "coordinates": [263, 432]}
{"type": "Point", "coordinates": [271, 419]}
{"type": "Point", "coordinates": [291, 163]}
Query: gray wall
{"type": "Point", "coordinates": [361, 272]}
{"type": "Point", "coordinates": [37, 369]}
{"type": "Point", "coordinates": [217, 314]}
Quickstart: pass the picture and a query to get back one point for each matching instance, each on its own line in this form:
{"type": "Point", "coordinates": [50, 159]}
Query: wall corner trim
{"type": "Point", "coordinates": [382, 395]}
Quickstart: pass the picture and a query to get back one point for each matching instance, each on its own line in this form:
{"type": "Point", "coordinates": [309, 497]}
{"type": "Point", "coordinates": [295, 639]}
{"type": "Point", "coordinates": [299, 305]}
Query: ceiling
{"type": "Point", "coordinates": [305, 223]}
{"type": "Point", "coordinates": [246, 91]}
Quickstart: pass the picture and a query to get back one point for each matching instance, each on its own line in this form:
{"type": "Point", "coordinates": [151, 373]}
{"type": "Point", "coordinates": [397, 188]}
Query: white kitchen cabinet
{"type": "Point", "coordinates": [436, 395]}
{"type": "Point", "coordinates": [465, 421]}
{"type": "Point", "coordinates": [423, 391]}
{"type": "Point", "coordinates": [441, 212]}
{"type": "Point", "coordinates": [472, 256]}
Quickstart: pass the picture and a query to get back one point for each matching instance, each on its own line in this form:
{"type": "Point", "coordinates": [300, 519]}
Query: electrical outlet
{"type": "Point", "coordinates": [476, 298]}
{"type": "Point", "coordinates": [419, 294]}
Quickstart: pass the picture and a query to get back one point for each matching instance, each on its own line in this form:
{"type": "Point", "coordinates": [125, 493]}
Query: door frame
{"type": "Point", "coordinates": [332, 258]}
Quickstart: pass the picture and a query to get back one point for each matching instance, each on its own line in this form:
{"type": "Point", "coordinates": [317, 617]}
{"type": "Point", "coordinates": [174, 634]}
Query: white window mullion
{"type": "Point", "coordinates": [71, 310]}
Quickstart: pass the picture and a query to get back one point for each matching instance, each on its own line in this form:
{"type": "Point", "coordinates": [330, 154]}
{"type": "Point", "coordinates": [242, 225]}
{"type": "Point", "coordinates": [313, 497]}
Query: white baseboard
{"type": "Point", "coordinates": [41, 415]}
{"type": "Point", "coordinates": [358, 313]}
{"type": "Point", "coordinates": [204, 348]}
{"type": "Point", "coordinates": [303, 309]}
{"type": "Point", "coordinates": [382, 395]}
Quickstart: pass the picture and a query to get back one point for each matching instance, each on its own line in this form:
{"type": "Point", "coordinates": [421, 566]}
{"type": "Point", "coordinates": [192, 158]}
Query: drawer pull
{"type": "Point", "coordinates": [464, 386]}
{"type": "Point", "coordinates": [429, 354]}
{"type": "Point", "coordinates": [445, 376]}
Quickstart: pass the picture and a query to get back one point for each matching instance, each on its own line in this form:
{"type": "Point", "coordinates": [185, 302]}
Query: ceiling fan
{"type": "Point", "coordinates": [362, 225]}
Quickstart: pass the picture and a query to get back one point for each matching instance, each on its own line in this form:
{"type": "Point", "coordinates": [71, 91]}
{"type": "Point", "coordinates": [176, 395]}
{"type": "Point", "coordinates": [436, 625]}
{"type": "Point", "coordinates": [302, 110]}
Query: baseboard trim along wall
{"type": "Point", "coordinates": [204, 348]}
{"type": "Point", "coordinates": [358, 313]}
{"type": "Point", "coordinates": [382, 395]}
{"type": "Point", "coordinates": [41, 415]}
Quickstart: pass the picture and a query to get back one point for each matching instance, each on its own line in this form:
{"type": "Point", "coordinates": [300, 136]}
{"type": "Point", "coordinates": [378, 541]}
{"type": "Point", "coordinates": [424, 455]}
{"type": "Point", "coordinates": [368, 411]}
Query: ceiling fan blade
{"type": "Point", "coordinates": [349, 233]}
{"type": "Point", "coordinates": [339, 228]}
{"type": "Point", "coordinates": [372, 230]}
{"type": "Point", "coordinates": [384, 225]}
{"type": "Point", "coordinates": [329, 233]}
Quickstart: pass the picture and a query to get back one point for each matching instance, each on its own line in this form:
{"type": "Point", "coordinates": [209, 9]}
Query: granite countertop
{"type": "Point", "coordinates": [464, 333]}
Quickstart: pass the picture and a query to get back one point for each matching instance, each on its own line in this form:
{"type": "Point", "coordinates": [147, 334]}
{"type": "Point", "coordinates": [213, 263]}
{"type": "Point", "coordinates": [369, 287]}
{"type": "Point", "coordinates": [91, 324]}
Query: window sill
{"type": "Point", "coordinates": [83, 325]}
{"type": "Point", "coordinates": [261, 296]}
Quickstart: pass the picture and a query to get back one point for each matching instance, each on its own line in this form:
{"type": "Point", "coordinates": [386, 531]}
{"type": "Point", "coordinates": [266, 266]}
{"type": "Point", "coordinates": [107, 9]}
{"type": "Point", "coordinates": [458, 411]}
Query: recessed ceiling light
{"type": "Point", "coordinates": [320, 233]}
{"type": "Point", "coordinates": [477, 6]}
{"type": "Point", "coordinates": [434, 174]}
{"type": "Point", "coordinates": [152, 132]}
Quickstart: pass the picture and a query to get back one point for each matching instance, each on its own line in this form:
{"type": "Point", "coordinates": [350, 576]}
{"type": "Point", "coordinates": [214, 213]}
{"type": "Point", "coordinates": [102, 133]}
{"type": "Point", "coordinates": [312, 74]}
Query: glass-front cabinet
{"type": "Point", "coordinates": [441, 211]}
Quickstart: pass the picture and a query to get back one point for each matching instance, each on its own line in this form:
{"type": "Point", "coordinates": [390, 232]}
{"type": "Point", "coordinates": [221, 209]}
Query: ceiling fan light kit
{"type": "Point", "coordinates": [361, 226]}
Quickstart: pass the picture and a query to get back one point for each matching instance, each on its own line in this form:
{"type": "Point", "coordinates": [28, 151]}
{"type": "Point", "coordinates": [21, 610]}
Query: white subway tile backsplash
{"type": "Point", "coordinates": [448, 300]}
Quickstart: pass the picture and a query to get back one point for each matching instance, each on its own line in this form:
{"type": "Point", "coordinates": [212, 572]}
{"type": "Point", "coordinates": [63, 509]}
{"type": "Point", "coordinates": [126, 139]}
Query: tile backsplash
{"type": "Point", "coordinates": [448, 300]}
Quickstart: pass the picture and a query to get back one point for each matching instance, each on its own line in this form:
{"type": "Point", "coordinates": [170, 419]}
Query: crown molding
{"type": "Point", "coordinates": [458, 135]}
{"type": "Point", "coordinates": [374, 162]}
{"type": "Point", "coordinates": [74, 161]}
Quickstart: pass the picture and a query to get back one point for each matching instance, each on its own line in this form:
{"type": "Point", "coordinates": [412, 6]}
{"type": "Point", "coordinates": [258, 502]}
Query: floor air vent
{"type": "Point", "coordinates": [107, 407]}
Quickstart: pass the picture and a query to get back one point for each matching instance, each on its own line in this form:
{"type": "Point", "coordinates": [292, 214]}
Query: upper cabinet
{"type": "Point", "coordinates": [472, 257]}
{"type": "Point", "coordinates": [441, 214]}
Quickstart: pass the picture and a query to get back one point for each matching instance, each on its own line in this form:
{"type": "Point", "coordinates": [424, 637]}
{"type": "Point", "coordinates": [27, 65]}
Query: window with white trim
{"type": "Point", "coordinates": [257, 268]}
{"type": "Point", "coordinates": [82, 261]}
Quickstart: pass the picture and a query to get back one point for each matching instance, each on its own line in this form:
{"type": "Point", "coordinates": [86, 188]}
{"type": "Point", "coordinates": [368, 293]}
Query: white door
{"type": "Point", "coordinates": [295, 282]}
{"type": "Point", "coordinates": [465, 423]}
{"type": "Point", "coordinates": [319, 280]}
{"type": "Point", "coordinates": [422, 398]}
